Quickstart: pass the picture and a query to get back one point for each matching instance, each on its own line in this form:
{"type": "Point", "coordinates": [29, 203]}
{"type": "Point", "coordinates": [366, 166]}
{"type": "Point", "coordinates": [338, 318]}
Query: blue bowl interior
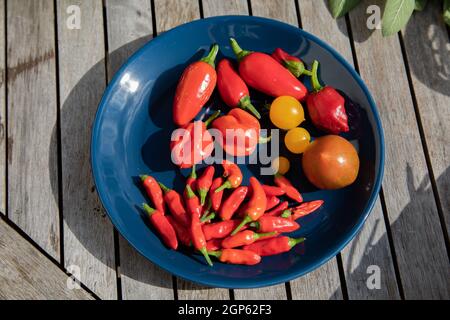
{"type": "Point", "coordinates": [132, 131]}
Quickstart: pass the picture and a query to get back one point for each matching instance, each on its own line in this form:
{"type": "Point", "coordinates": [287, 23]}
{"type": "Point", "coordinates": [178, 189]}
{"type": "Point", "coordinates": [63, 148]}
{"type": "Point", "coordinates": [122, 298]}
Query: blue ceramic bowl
{"type": "Point", "coordinates": [132, 130]}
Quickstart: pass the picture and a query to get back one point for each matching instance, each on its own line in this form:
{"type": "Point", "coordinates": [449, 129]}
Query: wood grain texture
{"type": "Point", "coordinates": [171, 13]}
{"type": "Point", "coordinates": [88, 234]}
{"type": "Point", "coordinates": [32, 113]}
{"type": "Point", "coordinates": [129, 26]}
{"type": "Point", "coordinates": [277, 292]}
{"type": "Point", "coordinates": [2, 110]}
{"type": "Point", "coordinates": [192, 291]}
{"type": "Point", "coordinates": [416, 232]}
{"type": "Point", "coordinates": [371, 247]}
{"type": "Point", "coordinates": [283, 10]}
{"type": "Point", "coordinates": [25, 273]}
{"type": "Point", "coordinates": [428, 50]}
{"type": "Point", "coordinates": [229, 7]}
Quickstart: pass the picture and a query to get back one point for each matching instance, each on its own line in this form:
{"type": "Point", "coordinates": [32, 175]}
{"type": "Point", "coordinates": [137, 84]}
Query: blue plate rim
{"type": "Point", "coordinates": [237, 284]}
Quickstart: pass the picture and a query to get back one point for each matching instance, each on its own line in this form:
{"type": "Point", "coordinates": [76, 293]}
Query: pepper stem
{"type": "Point", "coordinates": [213, 117]}
{"type": "Point", "coordinates": [164, 188]}
{"type": "Point", "coordinates": [190, 192]}
{"type": "Point", "coordinates": [263, 140]}
{"type": "Point", "coordinates": [254, 224]}
{"type": "Point", "coordinates": [286, 214]}
{"type": "Point", "coordinates": [293, 242]}
{"type": "Point", "coordinates": [246, 104]}
{"type": "Point", "coordinates": [297, 68]}
{"type": "Point", "coordinates": [216, 254]}
{"type": "Point", "coordinates": [208, 217]}
{"type": "Point", "coordinates": [246, 220]}
{"type": "Point", "coordinates": [225, 185]}
{"type": "Point", "coordinates": [143, 177]}
{"type": "Point", "coordinates": [193, 173]}
{"type": "Point", "coordinates": [205, 254]}
{"type": "Point", "coordinates": [240, 54]}
{"type": "Point", "coordinates": [150, 211]}
{"type": "Point", "coordinates": [307, 73]}
{"type": "Point", "coordinates": [202, 193]}
{"type": "Point", "coordinates": [315, 77]}
{"type": "Point", "coordinates": [211, 57]}
{"type": "Point", "coordinates": [257, 236]}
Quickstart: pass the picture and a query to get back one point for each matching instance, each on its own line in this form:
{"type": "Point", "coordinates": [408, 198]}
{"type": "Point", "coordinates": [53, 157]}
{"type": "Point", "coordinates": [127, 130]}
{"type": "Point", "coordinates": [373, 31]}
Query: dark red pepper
{"type": "Point", "coordinates": [273, 191]}
{"type": "Point", "coordinates": [292, 63]}
{"type": "Point", "coordinates": [303, 210]}
{"type": "Point", "coordinates": [198, 238]}
{"type": "Point", "coordinates": [287, 186]}
{"type": "Point", "coordinates": [278, 210]}
{"type": "Point", "coordinates": [233, 173]}
{"type": "Point", "coordinates": [204, 183]}
{"type": "Point", "coordinates": [175, 204]}
{"type": "Point", "coordinates": [232, 203]}
{"type": "Point", "coordinates": [233, 90]}
{"type": "Point", "coordinates": [263, 73]}
{"type": "Point", "coordinates": [244, 238]}
{"type": "Point", "coordinates": [220, 230]}
{"type": "Point", "coordinates": [235, 256]}
{"type": "Point", "coordinates": [326, 106]}
{"type": "Point", "coordinates": [216, 197]}
{"type": "Point", "coordinates": [194, 88]}
{"type": "Point", "coordinates": [154, 192]}
{"type": "Point", "coordinates": [193, 203]}
{"type": "Point", "coordinates": [273, 246]}
{"type": "Point", "coordinates": [163, 226]}
{"type": "Point", "coordinates": [182, 231]}
{"type": "Point", "coordinates": [278, 224]}
{"type": "Point", "coordinates": [272, 202]}
{"type": "Point", "coordinates": [214, 244]}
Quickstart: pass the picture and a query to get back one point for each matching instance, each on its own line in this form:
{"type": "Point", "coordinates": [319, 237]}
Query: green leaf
{"type": "Point", "coordinates": [339, 8]}
{"type": "Point", "coordinates": [420, 5]}
{"type": "Point", "coordinates": [447, 11]}
{"type": "Point", "coordinates": [396, 15]}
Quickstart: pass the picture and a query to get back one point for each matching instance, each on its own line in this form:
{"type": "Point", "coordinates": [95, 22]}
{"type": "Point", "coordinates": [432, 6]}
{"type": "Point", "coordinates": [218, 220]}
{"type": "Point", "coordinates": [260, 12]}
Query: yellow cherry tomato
{"type": "Point", "coordinates": [286, 113]}
{"type": "Point", "coordinates": [297, 140]}
{"type": "Point", "coordinates": [280, 165]}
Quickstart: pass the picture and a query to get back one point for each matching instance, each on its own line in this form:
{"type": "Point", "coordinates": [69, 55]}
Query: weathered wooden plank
{"type": "Point", "coordinates": [171, 13]}
{"type": "Point", "coordinates": [277, 292]}
{"type": "Point", "coordinates": [428, 50]}
{"type": "Point", "coordinates": [230, 7]}
{"type": "Point", "coordinates": [27, 274]}
{"type": "Point", "coordinates": [32, 112]}
{"type": "Point", "coordinates": [416, 232]}
{"type": "Point", "coordinates": [2, 110]}
{"type": "Point", "coordinates": [283, 10]}
{"type": "Point", "coordinates": [371, 247]}
{"type": "Point", "coordinates": [88, 234]}
{"type": "Point", "coordinates": [129, 26]}
{"type": "Point", "coordinates": [192, 291]}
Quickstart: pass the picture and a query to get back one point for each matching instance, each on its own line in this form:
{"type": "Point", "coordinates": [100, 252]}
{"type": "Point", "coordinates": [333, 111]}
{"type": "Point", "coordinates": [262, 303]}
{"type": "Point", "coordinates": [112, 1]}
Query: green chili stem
{"type": "Point", "coordinates": [246, 220]}
{"type": "Point", "coordinates": [143, 177]}
{"type": "Point", "coordinates": [257, 236]}
{"type": "Point", "coordinates": [213, 117]}
{"type": "Point", "coordinates": [240, 54]}
{"type": "Point", "coordinates": [148, 209]}
{"type": "Point", "coordinates": [246, 104]}
{"type": "Point", "coordinates": [164, 188]}
{"type": "Point", "coordinates": [315, 77]}
{"type": "Point", "coordinates": [226, 185]}
{"type": "Point", "coordinates": [190, 192]}
{"type": "Point", "coordinates": [205, 254]}
{"type": "Point", "coordinates": [211, 57]}
{"type": "Point", "coordinates": [293, 242]}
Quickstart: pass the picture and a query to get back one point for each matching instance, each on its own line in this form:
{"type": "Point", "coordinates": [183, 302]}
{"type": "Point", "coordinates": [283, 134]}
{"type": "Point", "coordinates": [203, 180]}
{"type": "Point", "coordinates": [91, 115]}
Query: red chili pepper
{"type": "Point", "coordinates": [182, 231]}
{"type": "Point", "coordinates": [273, 246]}
{"type": "Point", "coordinates": [233, 173]}
{"type": "Point", "coordinates": [213, 245]}
{"type": "Point", "coordinates": [287, 186]}
{"type": "Point", "coordinates": [216, 197]}
{"type": "Point", "coordinates": [240, 132]}
{"type": "Point", "coordinates": [175, 204]}
{"type": "Point", "coordinates": [194, 89]}
{"type": "Point", "coordinates": [272, 202]}
{"type": "Point", "coordinates": [204, 183]}
{"type": "Point", "coordinates": [293, 64]}
{"type": "Point", "coordinates": [263, 73]}
{"type": "Point", "coordinates": [305, 208]}
{"type": "Point", "coordinates": [193, 144]}
{"type": "Point", "coordinates": [220, 230]}
{"type": "Point", "coordinates": [273, 191]}
{"type": "Point", "coordinates": [244, 238]}
{"type": "Point", "coordinates": [256, 206]}
{"type": "Point", "coordinates": [326, 106]}
{"type": "Point", "coordinates": [154, 192]}
{"type": "Point", "coordinates": [163, 226]}
{"type": "Point", "coordinates": [193, 203]}
{"type": "Point", "coordinates": [198, 238]}
{"type": "Point", "coordinates": [235, 256]}
{"type": "Point", "coordinates": [233, 90]}
{"type": "Point", "coordinates": [278, 210]}
{"type": "Point", "coordinates": [232, 203]}
{"type": "Point", "coordinates": [278, 224]}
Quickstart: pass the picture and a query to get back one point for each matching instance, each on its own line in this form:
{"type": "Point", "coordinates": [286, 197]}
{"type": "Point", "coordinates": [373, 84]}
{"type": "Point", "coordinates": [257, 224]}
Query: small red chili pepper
{"type": "Point", "coordinates": [163, 226]}
{"type": "Point", "coordinates": [154, 192]}
{"type": "Point", "coordinates": [194, 88]}
{"type": "Point", "coordinates": [233, 90]}
{"type": "Point", "coordinates": [193, 144]}
{"type": "Point", "coordinates": [326, 106]}
{"type": "Point", "coordinates": [175, 204]}
{"type": "Point", "coordinates": [240, 132]}
{"type": "Point", "coordinates": [198, 238]}
{"type": "Point", "coordinates": [220, 230]}
{"type": "Point", "coordinates": [216, 197]}
{"type": "Point", "coordinates": [272, 202]}
{"type": "Point", "coordinates": [232, 203]}
{"type": "Point", "coordinates": [278, 224]}
{"type": "Point", "coordinates": [233, 173]}
{"type": "Point", "coordinates": [244, 238]}
{"type": "Point", "coordinates": [193, 203]}
{"type": "Point", "coordinates": [293, 64]}
{"type": "Point", "coordinates": [182, 231]}
{"type": "Point", "coordinates": [287, 186]}
{"type": "Point", "coordinates": [214, 244]}
{"type": "Point", "coordinates": [273, 191]}
{"type": "Point", "coordinates": [256, 206]}
{"type": "Point", "coordinates": [278, 210]}
{"type": "Point", "coordinates": [304, 209]}
{"type": "Point", "coordinates": [235, 256]}
{"type": "Point", "coordinates": [204, 183]}
{"type": "Point", "coordinates": [263, 73]}
{"type": "Point", "coordinates": [273, 246]}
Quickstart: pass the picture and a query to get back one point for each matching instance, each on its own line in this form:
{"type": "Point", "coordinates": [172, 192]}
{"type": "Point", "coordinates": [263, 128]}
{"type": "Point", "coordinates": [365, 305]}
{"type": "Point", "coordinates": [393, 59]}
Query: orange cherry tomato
{"type": "Point", "coordinates": [331, 162]}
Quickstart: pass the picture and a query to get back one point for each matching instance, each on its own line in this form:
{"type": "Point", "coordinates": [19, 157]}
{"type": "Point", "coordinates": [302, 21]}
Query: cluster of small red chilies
{"type": "Point", "coordinates": [240, 228]}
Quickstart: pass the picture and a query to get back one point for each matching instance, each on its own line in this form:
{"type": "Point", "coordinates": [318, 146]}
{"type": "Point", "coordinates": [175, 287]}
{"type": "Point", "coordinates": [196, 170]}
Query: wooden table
{"type": "Point", "coordinates": [52, 223]}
